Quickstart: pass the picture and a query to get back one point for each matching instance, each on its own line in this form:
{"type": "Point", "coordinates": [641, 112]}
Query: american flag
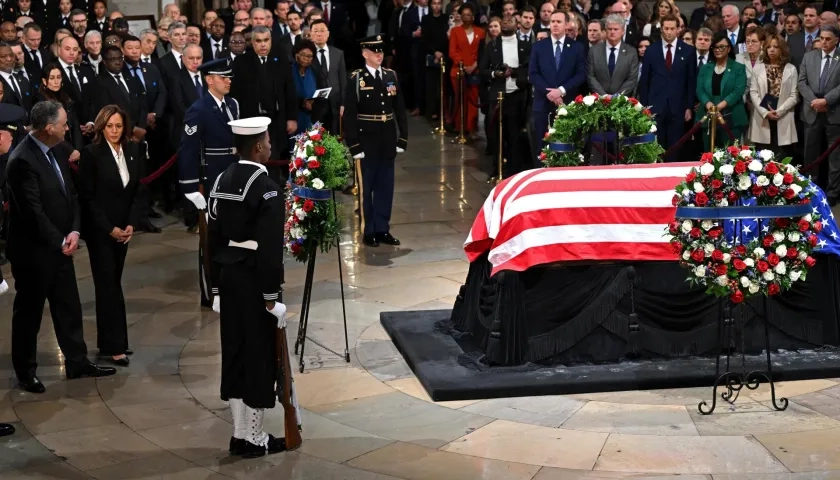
{"type": "Point", "coordinates": [546, 215]}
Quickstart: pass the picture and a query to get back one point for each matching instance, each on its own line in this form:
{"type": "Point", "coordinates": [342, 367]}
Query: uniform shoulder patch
{"type": "Point", "coordinates": [268, 195]}
{"type": "Point", "coordinates": [190, 130]}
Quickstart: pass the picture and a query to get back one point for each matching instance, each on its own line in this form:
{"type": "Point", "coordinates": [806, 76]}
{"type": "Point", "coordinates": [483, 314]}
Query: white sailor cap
{"type": "Point", "coordinates": [249, 126]}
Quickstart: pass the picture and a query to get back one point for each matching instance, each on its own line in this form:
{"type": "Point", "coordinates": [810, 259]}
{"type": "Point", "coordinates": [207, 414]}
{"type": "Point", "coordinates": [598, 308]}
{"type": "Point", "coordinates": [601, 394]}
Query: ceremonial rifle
{"type": "Point", "coordinates": [286, 393]}
{"type": "Point", "coordinates": [202, 226]}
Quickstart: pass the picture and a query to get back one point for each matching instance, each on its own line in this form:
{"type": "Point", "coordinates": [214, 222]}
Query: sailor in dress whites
{"type": "Point", "coordinates": [207, 139]}
{"type": "Point", "coordinates": [247, 214]}
{"type": "Point", "coordinates": [375, 129]}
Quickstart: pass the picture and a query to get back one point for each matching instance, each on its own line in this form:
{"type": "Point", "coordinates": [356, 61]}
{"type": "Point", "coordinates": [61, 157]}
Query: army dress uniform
{"type": "Point", "coordinates": [245, 237]}
{"type": "Point", "coordinates": [375, 126]}
{"type": "Point", "coordinates": [207, 134]}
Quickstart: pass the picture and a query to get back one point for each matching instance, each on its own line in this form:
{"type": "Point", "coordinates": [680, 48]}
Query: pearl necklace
{"type": "Point", "coordinates": [719, 69]}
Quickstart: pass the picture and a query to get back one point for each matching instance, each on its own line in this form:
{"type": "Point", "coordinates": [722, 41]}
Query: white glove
{"type": "Point", "coordinates": [359, 156]}
{"type": "Point", "coordinates": [217, 304]}
{"type": "Point", "coordinates": [400, 150]}
{"type": "Point", "coordinates": [197, 199]}
{"type": "Point", "coordinates": [279, 311]}
{"type": "Point", "coordinates": [4, 287]}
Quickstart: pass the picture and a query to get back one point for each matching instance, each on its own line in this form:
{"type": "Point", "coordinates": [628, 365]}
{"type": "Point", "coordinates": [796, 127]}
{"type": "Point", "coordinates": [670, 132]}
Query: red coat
{"type": "Point", "coordinates": [461, 50]}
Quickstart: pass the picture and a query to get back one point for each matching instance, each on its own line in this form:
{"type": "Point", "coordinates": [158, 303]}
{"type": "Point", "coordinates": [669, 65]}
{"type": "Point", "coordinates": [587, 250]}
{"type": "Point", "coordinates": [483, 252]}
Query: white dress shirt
{"type": "Point", "coordinates": [609, 47]}
{"type": "Point", "coordinates": [326, 62]}
{"type": "Point", "coordinates": [178, 58]}
{"type": "Point", "coordinates": [673, 49]}
{"type": "Point", "coordinates": [119, 157]}
{"type": "Point", "coordinates": [9, 77]}
{"type": "Point", "coordinates": [219, 104]}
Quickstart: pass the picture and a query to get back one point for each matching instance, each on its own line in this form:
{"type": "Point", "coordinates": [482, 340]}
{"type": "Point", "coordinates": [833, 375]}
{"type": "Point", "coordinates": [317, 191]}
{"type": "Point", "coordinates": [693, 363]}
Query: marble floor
{"type": "Point", "coordinates": [161, 418]}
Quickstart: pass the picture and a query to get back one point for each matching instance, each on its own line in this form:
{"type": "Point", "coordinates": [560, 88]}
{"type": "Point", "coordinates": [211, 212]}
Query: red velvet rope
{"type": "Point", "coordinates": [151, 178]}
{"type": "Point", "coordinates": [821, 158]}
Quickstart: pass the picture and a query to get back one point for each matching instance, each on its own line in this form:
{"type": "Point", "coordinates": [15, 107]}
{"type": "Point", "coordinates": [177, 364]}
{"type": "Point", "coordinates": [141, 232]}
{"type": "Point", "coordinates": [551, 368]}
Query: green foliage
{"type": "Point", "coordinates": [334, 164]}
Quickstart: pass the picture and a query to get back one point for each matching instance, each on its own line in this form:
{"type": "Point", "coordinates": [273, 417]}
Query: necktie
{"type": "Point", "coordinates": [122, 85]}
{"type": "Point", "coordinates": [824, 73]}
{"type": "Point", "coordinates": [327, 12]}
{"type": "Point", "coordinates": [139, 75]}
{"type": "Point", "coordinates": [809, 43]}
{"type": "Point", "coordinates": [378, 80]}
{"type": "Point", "coordinates": [37, 59]}
{"type": "Point", "coordinates": [197, 85]}
{"type": "Point", "coordinates": [611, 64]}
{"type": "Point", "coordinates": [14, 85]}
{"type": "Point", "coordinates": [700, 61]}
{"type": "Point", "coordinates": [145, 59]}
{"type": "Point", "coordinates": [285, 29]}
{"type": "Point", "coordinates": [226, 111]}
{"type": "Point", "coordinates": [218, 50]}
{"type": "Point", "coordinates": [75, 81]}
{"type": "Point", "coordinates": [323, 60]}
{"type": "Point", "coordinates": [57, 170]}
{"type": "Point", "coordinates": [558, 51]}
{"type": "Point", "coordinates": [669, 59]}
{"type": "Point", "coordinates": [262, 60]}
{"type": "Point", "coordinates": [732, 38]}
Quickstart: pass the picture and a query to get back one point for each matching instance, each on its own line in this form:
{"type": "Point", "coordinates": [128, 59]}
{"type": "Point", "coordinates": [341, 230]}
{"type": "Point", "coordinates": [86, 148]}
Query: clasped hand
{"type": "Point", "coordinates": [819, 105]}
{"type": "Point", "coordinates": [554, 96]}
{"type": "Point", "coordinates": [71, 243]}
{"type": "Point", "coordinates": [122, 236]}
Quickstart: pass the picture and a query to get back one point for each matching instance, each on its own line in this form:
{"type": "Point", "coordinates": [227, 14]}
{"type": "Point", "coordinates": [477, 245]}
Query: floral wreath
{"type": "Point", "coordinates": [576, 122]}
{"type": "Point", "coordinates": [318, 165]}
{"type": "Point", "coordinates": [768, 264]}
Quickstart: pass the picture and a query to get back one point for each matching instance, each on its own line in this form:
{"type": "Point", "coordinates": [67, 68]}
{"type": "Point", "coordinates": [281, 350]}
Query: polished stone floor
{"type": "Point", "coordinates": [161, 418]}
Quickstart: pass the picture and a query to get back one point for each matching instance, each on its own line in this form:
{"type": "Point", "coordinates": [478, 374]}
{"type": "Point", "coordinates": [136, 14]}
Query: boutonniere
{"type": "Point", "coordinates": [144, 69]}
{"type": "Point", "coordinates": [623, 51]}
{"type": "Point", "coordinates": [275, 59]}
{"type": "Point", "coordinates": [154, 84]}
{"type": "Point", "coordinates": [681, 59]}
{"type": "Point", "coordinates": [568, 45]}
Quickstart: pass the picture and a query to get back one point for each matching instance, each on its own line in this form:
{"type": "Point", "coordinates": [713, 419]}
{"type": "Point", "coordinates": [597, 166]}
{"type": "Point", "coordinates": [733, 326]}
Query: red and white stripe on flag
{"type": "Point", "coordinates": [547, 215]}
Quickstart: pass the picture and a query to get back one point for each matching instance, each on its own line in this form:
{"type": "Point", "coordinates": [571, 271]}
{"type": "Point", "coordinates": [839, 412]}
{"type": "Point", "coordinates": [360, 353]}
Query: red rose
{"type": "Point", "coordinates": [647, 112]}
{"type": "Point", "coordinates": [717, 256]}
{"type": "Point", "coordinates": [756, 190]}
{"type": "Point", "coordinates": [788, 178]}
{"type": "Point", "coordinates": [789, 194]}
{"type": "Point", "coordinates": [295, 248]}
{"type": "Point", "coordinates": [773, 289]}
{"type": "Point", "coordinates": [632, 101]}
{"type": "Point", "coordinates": [768, 240]}
{"type": "Point", "coordinates": [606, 100]}
{"type": "Point", "coordinates": [543, 157]}
{"type": "Point", "coordinates": [792, 252]}
{"type": "Point", "coordinates": [546, 135]}
{"type": "Point", "coordinates": [676, 246]}
{"type": "Point", "coordinates": [301, 180]}
{"type": "Point", "coordinates": [715, 232]}
{"type": "Point", "coordinates": [716, 184]}
{"type": "Point", "coordinates": [596, 96]}
{"type": "Point", "coordinates": [818, 226]}
{"type": "Point", "coordinates": [674, 227]}
{"type": "Point", "coordinates": [706, 157]}
{"type": "Point", "coordinates": [313, 164]}
{"type": "Point", "coordinates": [701, 199]}
{"type": "Point", "coordinates": [782, 222]}
{"type": "Point", "coordinates": [762, 266]}
{"type": "Point", "coordinates": [316, 137]}
{"type": "Point", "coordinates": [737, 296]}
{"type": "Point", "coordinates": [319, 150]}
{"type": "Point", "coordinates": [298, 163]}
{"type": "Point", "coordinates": [297, 199]}
{"type": "Point", "coordinates": [739, 264]}
{"type": "Point", "coordinates": [812, 240]}
{"type": "Point", "coordinates": [771, 168]}
{"type": "Point", "coordinates": [690, 176]}
{"type": "Point", "coordinates": [308, 205]}
{"type": "Point", "coordinates": [718, 195]}
{"type": "Point", "coordinates": [804, 225]}
{"type": "Point", "coordinates": [772, 190]}
{"type": "Point", "coordinates": [698, 256]}
{"type": "Point", "coordinates": [695, 232]}
{"type": "Point", "coordinates": [773, 259]}
{"type": "Point", "coordinates": [675, 200]}
{"type": "Point", "coordinates": [741, 250]}
{"type": "Point", "coordinates": [579, 99]}
{"type": "Point", "coordinates": [805, 201]}
{"type": "Point", "coordinates": [740, 167]}
{"type": "Point", "coordinates": [733, 150]}
{"type": "Point", "coordinates": [810, 262]}
{"type": "Point", "coordinates": [721, 269]}
{"type": "Point", "coordinates": [733, 196]}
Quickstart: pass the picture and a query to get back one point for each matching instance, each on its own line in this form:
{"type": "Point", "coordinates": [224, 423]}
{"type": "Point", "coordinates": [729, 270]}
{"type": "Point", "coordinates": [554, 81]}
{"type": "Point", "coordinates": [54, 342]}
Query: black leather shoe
{"type": "Point", "coordinates": [154, 214]}
{"type": "Point", "coordinates": [32, 385]}
{"type": "Point", "coordinates": [87, 370]}
{"type": "Point", "coordinates": [122, 362]}
{"type": "Point", "coordinates": [237, 446]}
{"type": "Point", "coordinates": [387, 239]}
{"type": "Point", "coordinates": [148, 228]}
{"type": "Point", "coordinates": [370, 241]}
{"type": "Point", "coordinates": [129, 352]}
{"type": "Point", "coordinates": [275, 445]}
{"type": "Point", "coordinates": [6, 429]}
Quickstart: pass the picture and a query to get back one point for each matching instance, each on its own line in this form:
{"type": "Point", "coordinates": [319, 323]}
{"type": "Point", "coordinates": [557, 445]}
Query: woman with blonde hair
{"type": "Point", "coordinates": [662, 9]}
{"type": "Point", "coordinates": [774, 93]}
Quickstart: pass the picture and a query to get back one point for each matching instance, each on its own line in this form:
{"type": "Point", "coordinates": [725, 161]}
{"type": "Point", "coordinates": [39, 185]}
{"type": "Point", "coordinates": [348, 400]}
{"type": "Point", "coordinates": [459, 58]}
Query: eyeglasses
{"type": "Point", "coordinates": [720, 48]}
{"type": "Point", "coordinates": [305, 55]}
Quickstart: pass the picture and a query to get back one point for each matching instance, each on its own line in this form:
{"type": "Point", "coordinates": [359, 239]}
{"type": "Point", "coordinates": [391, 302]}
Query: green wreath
{"type": "Point", "coordinates": [576, 122]}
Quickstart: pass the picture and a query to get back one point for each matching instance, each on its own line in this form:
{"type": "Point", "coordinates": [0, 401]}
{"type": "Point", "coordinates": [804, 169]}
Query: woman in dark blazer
{"type": "Point", "coordinates": [51, 83]}
{"type": "Point", "coordinates": [109, 174]}
{"type": "Point", "coordinates": [721, 84]}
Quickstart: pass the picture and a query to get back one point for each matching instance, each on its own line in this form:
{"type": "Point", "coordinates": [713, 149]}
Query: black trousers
{"type": "Point", "coordinates": [107, 259]}
{"type": "Point", "coordinates": [38, 278]}
{"type": "Point", "coordinates": [376, 190]}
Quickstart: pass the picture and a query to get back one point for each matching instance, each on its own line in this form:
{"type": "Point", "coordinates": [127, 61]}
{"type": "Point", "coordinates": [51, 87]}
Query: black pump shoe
{"type": "Point", "coordinates": [274, 445]}
{"type": "Point", "coordinates": [237, 446]}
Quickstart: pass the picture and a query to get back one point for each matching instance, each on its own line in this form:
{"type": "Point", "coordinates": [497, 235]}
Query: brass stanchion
{"type": "Point", "coordinates": [714, 119]}
{"type": "Point", "coordinates": [461, 101]}
{"type": "Point", "coordinates": [441, 130]}
{"type": "Point", "coordinates": [501, 158]}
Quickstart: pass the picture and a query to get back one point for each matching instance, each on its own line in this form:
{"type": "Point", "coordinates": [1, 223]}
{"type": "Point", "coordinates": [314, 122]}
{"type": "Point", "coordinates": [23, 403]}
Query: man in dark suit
{"type": "Point", "coordinates": [631, 33]}
{"type": "Point", "coordinates": [710, 8]}
{"type": "Point", "coordinates": [802, 42]}
{"type": "Point", "coordinates": [667, 84]}
{"type": "Point", "coordinates": [527, 17]}
{"type": "Point", "coordinates": [18, 91]}
{"type": "Point", "coordinates": [557, 70]}
{"type": "Point", "coordinates": [35, 56]}
{"type": "Point", "coordinates": [78, 82]}
{"type": "Point", "coordinates": [331, 61]}
{"type": "Point", "coordinates": [279, 29]}
{"type": "Point", "coordinates": [119, 89]}
{"type": "Point", "coordinates": [184, 90]}
{"type": "Point", "coordinates": [771, 15]}
{"type": "Point", "coordinates": [410, 33]}
{"type": "Point", "coordinates": [43, 236]}
{"type": "Point", "coordinates": [216, 44]}
{"type": "Point", "coordinates": [288, 42]}
{"type": "Point", "coordinates": [172, 63]}
{"type": "Point", "coordinates": [732, 25]}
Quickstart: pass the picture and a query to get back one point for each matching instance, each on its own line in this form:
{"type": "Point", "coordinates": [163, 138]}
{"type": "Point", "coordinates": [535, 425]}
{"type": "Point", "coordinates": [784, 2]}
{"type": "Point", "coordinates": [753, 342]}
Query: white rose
{"type": "Point", "coordinates": [755, 166]}
{"type": "Point", "coordinates": [790, 168]}
{"type": "Point", "coordinates": [744, 182]}
{"type": "Point", "coordinates": [306, 172]}
{"type": "Point", "coordinates": [706, 224]}
{"type": "Point", "coordinates": [581, 157]}
{"type": "Point", "coordinates": [551, 131]}
{"type": "Point", "coordinates": [300, 214]}
{"type": "Point", "coordinates": [807, 218]}
{"type": "Point", "coordinates": [768, 275]}
{"type": "Point", "coordinates": [794, 275]}
{"type": "Point", "coordinates": [766, 155]}
{"type": "Point", "coordinates": [780, 268]}
{"type": "Point", "coordinates": [796, 188]}
{"type": "Point", "coordinates": [718, 154]}
{"type": "Point", "coordinates": [745, 282]}
{"type": "Point", "coordinates": [698, 187]}
{"type": "Point", "coordinates": [307, 143]}
{"type": "Point", "coordinates": [802, 256]}
{"type": "Point", "coordinates": [722, 280]}
{"type": "Point", "coordinates": [754, 288]}
{"type": "Point", "coordinates": [686, 255]}
{"type": "Point", "coordinates": [762, 181]}
{"type": "Point", "coordinates": [778, 236]}
{"type": "Point", "coordinates": [726, 258]}
{"type": "Point", "coordinates": [759, 252]}
{"type": "Point", "coordinates": [726, 169]}
{"type": "Point", "coordinates": [562, 112]}
{"type": "Point", "coordinates": [700, 271]}
{"type": "Point", "coordinates": [687, 225]}
{"type": "Point", "coordinates": [707, 169]}
{"type": "Point", "coordinates": [794, 236]}
{"type": "Point", "coordinates": [723, 202]}
{"type": "Point", "coordinates": [708, 249]}
{"type": "Point", "coordinates": [588, 100]}
{"type": "Point", "coordinates": [781, 251]}
{"type": "Point", "coordinates": [745, 154]}
{"type": "Point", "coordinates": [638, 107]}
{"type": "Point", "coordinates": [653, 129]}
{"type": "Point", "coordinates": [778, 179]}
{"type": "Point", "coordinates": [749, 262]}
{"type": "Point", "coordinates": [317, 183]}
{"type": "Point", "coordinates": [312, 158]}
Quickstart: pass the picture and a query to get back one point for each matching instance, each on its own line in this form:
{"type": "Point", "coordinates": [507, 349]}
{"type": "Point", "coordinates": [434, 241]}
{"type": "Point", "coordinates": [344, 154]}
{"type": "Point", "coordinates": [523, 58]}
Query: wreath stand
{"type": "Point", "coordinates": [735, 381]}
{"type": "Point", "coordinates": [300, 341]}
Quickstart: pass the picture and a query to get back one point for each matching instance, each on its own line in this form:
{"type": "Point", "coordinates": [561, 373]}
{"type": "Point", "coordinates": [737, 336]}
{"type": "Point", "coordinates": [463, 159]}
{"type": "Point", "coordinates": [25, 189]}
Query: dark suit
{"type": "Point", "coordinates": [133, 101]}
{"type": "Point", "coordinates": [107, 204]}
{"type": "Point", "coordinates": [669, 92]}
{"type": "Point", "coordinates": [23, 97]}
{"type": "Point", "coordinates": [207, 46]}
{"type": "Point", "coordinates": [336, 79]}
{"type": "Point", "coordinates": [84, 94]}
{"type": "Point", "coordinates": [44, 210]}
{"type": "Point", "coordinates": [182, 94]}
{"type": "Point", "coordinates": [632, 34]}
{"type": "Point", "coordinates": [11, 13]}
{"type": "Point", "coordinates": [698, 18]}
{"type": "Point", "coordinates": [796, 43]}
{"type": "Point", "coordinates": [170, 69]}
{"type": "Point", "coordinates": [104, 28]}
{"type": "Point", "coordinates": [414, 45]}
{"type": "Point", "coordinates": [35, 68]}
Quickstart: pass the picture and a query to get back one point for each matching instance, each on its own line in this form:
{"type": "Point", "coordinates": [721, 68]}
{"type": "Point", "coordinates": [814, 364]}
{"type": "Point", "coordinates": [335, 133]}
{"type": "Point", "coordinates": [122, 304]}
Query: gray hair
{"type": "Point", "coordinates": [732, 7]}
{"type": "Point", "coordinates": [175, 26]}
{"type": "Point", "coordinates": [258, 10]}
{"type": "Point", "coordinates": [149, 31]}
{"type": "Point", "coordinates": [832, 29]}
{"type": "Point", "coordinates": [615, 19]}
{"type": "Point", "coordinates": [92, 33]}
{"type": "Point", "coordinates": [44, 113]}
{"type": "Point", "coordinates": [705, 31]}
{"type": "Point", "coordinates": [260, 29]}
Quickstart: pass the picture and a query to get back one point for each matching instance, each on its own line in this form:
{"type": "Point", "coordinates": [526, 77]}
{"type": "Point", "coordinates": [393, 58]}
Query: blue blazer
{"type": "Point", "coordinates": [543, 75]}
{"type": "Point", "coordinates": [664, 90]}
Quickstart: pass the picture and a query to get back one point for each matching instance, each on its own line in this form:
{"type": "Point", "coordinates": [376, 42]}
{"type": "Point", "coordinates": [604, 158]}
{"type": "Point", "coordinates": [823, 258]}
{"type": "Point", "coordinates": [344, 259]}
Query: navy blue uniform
{"type": "Point", "coordinates": [375, 124]}
{"type": "Point", "coordinates": [205, 124]}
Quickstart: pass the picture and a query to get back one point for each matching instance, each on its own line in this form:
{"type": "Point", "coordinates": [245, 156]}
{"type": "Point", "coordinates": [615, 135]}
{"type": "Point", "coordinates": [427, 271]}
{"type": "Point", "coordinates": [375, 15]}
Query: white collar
{"type": "Point", "coordinates": [830, 54]}
{"type": "Point", "coordinates": [6, 75]}
{"type": "Point", "coordinates": [114, 152]}
{"type": "Point", "coordinates": [325, 47]}
{"type": "Point", "coordinates": [673, 44]}
{"type": "Point", "coordinates": [617, 46]}
{"type": "Point", "coordinates": [193, 74]}
{"type": "Point", "coordinates": [555, 40]}
{"type": "Point", "coordinates": [65, 66]}
{"type": "Point", "coordinates": [258, 165]}
{"type": "Point", "coordinates": [510, 39]}
{"type": "Point", "coordinates": [374, 70]}
{"type": "Point", "coordinates": [529, 32]}
{"type": "Point", "coordinates": [736, 31]}
{"type": "Point", "coordinates": [218, 102]}
{"type": "Point", "coordinates": [177, 53]}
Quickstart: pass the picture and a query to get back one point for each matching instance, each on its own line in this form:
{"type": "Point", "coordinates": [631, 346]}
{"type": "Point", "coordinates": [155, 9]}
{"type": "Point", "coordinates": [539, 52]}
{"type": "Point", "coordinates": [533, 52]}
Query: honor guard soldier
{"type": "Point", "coordinates": [246, 218]}
{"type": "Point", "coordinates": [207, 147]}
{"type": "Point", "coordinates": [375, 129]}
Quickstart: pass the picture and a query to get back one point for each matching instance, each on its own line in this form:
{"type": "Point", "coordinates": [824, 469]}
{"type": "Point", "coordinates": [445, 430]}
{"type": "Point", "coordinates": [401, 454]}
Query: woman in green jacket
{"type": "Point", "coordinates": [722, 84]}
